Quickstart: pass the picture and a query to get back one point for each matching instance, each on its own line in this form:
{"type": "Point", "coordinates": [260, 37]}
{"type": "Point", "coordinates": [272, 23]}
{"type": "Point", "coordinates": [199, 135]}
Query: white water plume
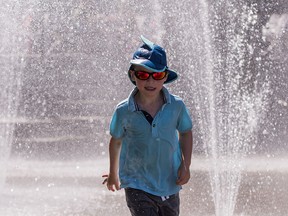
{"type": "Point", "coordinates": [12, 52]}
{"type": "Point", "coordinates": [232, 97]}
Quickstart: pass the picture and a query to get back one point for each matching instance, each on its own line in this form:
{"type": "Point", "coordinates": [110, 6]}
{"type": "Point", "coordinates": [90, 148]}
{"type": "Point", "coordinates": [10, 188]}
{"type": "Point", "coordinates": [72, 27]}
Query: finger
{"type": "Point", "coordinates": [182, 179]}
{"type": "Point", "coordinates": [105, 175]}
{"type": "Point", "coordinates": [179, 179]}
{"type": "Point", "coordinates": [180, 176]}
{"type": "Point", "coordinates": [117, 186]}
{"type": "Point", "coordinates": [181, 182]}
{"type": "Point", "coordinates": [105, 181]}
{"type": "Point", "coordinates": [110, 187]}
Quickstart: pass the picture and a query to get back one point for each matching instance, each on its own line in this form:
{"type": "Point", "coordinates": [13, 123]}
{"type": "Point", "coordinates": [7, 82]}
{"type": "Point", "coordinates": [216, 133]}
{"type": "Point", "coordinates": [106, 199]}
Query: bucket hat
{"type": "Point", "coordinates": [152, 57]}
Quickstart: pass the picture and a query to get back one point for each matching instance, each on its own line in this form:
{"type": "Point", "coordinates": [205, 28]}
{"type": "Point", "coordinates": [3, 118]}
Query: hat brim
{"type": "Point", "coordinates": [146, 63]}
{"type": "Point", "coordinates": [172, 75]}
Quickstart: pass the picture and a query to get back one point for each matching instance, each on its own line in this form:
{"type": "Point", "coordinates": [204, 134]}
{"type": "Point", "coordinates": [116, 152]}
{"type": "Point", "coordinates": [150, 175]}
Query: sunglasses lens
{"type": "Point", "coordinates": [159, 75]}
{"type": "Point", "coordinates": [142, 75]}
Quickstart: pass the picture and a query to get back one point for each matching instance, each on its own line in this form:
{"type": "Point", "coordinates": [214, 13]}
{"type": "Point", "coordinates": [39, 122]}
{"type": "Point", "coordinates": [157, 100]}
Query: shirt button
{"type": "Point", "coordinates": [154, 125]}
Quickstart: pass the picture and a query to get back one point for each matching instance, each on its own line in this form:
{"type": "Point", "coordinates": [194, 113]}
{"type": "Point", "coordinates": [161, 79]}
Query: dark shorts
{"type": "Point", "coordinates": [141, 203]}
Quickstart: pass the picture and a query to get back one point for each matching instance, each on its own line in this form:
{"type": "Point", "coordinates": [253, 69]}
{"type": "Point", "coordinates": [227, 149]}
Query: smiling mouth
{"type": "Point", "coordinates": [150, 88]}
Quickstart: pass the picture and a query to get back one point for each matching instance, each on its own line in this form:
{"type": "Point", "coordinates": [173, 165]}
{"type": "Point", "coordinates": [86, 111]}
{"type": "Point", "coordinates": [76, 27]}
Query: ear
{"type": "Point", "coordinates": [132, 75]}
{"type": "Point", "coordinates": [166, 77]}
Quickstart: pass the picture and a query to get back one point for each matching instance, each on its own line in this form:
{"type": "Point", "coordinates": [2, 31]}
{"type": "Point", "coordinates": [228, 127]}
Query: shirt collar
{"type": "Point", "coordinates": [132, 105]}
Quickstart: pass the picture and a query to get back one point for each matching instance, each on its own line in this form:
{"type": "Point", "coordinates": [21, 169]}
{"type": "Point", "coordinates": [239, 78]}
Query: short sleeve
{"type": "Point", "coordinates": [184, 120]}
{"type": "Point", "coordinates": [116, 127]}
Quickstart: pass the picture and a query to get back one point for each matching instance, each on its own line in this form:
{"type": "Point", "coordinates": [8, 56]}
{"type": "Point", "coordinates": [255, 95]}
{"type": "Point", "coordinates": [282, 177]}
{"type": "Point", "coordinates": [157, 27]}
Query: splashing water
{"type": "Point", "coordinates": [233, 95]}
{"type": "Point", "coordinates": [12, 63]}
{"type": "Point", "coordinates": [216, 49]}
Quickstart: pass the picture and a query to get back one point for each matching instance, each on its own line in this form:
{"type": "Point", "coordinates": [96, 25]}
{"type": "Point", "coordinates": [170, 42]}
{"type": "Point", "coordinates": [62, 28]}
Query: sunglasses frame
{"type": "Point", "coordinates": [150, 74]}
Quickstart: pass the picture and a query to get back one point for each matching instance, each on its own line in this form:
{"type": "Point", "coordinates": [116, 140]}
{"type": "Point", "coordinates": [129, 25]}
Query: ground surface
{"type": "Point", "coordinates": [73, 188]}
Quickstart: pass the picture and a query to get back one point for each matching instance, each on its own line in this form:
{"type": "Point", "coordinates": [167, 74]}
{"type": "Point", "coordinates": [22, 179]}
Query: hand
{"type": "Point", "coordinates": [112, 182]}
{"type": "Point", "coordinates": [183, 174]}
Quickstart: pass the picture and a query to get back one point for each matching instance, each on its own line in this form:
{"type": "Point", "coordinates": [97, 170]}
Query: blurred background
{"type": "Point", "coordinates": [64, 69]}
{"type": "Point", "coordinates": [71, 60]}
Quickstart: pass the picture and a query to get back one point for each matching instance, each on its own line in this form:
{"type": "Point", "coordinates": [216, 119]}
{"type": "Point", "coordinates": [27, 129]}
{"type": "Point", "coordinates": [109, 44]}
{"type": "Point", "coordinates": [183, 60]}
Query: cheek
{"type": "Point", "coordinates": [140, 84]}
{"type": "Point", "coordinates": [161, 82]}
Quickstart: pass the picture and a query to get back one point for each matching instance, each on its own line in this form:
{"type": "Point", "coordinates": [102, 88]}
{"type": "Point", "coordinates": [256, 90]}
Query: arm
{"type": "Point", "coordinates": [186, 144]}
{"type": "Point", "coordinates": [112, 179]}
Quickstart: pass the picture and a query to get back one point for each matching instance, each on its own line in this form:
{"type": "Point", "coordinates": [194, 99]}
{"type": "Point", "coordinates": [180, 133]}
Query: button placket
{"type": "Point", "coordinates": [154, 128]}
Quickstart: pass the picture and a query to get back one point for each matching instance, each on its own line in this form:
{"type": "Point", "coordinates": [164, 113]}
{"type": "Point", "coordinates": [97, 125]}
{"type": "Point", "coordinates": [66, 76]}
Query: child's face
{"type": "Point", "coordinates": [150, 86]}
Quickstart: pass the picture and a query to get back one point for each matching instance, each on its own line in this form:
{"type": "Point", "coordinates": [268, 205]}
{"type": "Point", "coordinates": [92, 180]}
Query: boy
{"type": "Point", "coordinates": [151, 141]}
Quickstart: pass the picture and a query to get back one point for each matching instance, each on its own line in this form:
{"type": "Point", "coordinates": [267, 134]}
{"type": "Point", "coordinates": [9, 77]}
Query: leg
{"type": "Point", "coordinates": [140, 203]}
{"type": "Point", "coordinates": [170, 207]}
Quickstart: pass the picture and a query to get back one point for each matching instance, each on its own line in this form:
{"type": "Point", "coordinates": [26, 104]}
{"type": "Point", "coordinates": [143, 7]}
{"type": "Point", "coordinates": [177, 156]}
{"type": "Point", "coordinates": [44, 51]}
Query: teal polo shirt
{"type": "Point", "coordinates": [150, 154]}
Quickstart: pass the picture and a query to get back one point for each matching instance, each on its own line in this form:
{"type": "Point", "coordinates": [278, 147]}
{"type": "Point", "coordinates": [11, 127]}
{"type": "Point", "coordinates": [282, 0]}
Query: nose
{"type": "Point", "coordinates": [150, 79]}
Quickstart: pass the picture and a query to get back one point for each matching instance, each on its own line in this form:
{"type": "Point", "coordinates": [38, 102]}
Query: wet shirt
{"type": "Point", "coordinates": [150, 153]}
